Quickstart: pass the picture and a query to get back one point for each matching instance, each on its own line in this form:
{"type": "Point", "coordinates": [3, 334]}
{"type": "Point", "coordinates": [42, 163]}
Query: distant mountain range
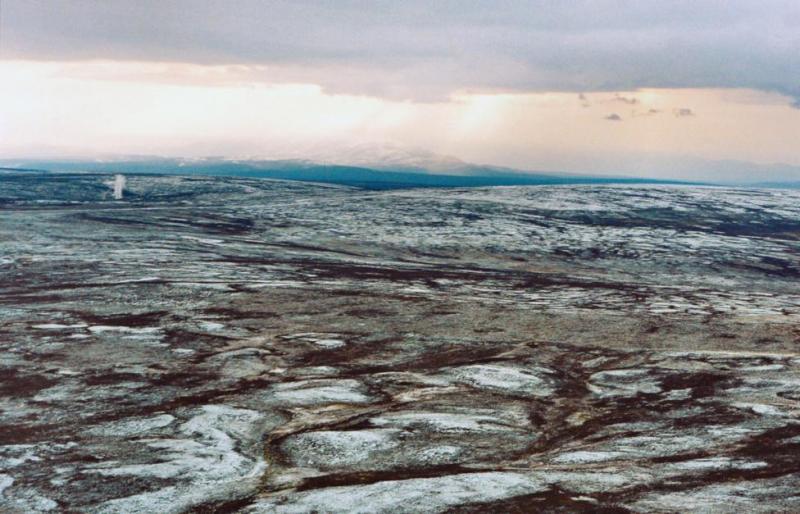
{"type": "Point", "coordinates": [383, 175]}
{"type": "Point", "coordinates": [389, 166]}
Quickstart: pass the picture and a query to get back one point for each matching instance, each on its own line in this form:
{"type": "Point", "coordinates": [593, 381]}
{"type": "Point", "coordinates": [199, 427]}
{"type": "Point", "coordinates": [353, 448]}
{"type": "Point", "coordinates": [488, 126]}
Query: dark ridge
{"type": "Point", "coordinates": [6, 169]}
{"type": "Point", "coordinates": [373, 477]}
{"type": "Point", "coordinates": [225, 507]}
{"type": "Point", "coordinates": [16, 385]}
{"type": "Point", "coordinates": [143, 319]}
{"type": "Point", "coordinates": [554, 500]}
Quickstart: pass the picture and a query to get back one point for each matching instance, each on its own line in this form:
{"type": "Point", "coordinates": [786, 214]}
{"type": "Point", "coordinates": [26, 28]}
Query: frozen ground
{"type": "Point", "coordinates": [233, 345]}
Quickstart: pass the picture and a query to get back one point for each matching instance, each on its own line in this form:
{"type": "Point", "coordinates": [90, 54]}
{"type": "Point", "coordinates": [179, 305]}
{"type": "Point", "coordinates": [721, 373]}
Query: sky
{"type": "Point", "coordinates": [669, 88]}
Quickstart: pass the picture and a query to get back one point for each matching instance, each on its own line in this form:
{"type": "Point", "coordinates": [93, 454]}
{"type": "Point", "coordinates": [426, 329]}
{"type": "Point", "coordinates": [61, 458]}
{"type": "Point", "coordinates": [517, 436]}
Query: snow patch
{"type": "Point", "coordinates": [518, 381]}
{"type": "Point", "coordinates": [418, 495]}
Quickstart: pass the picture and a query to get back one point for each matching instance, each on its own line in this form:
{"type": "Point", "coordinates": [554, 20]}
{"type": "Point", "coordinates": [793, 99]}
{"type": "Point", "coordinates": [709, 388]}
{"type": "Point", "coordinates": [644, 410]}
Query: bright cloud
{"type": "Point", "coordinates": [157, 108]}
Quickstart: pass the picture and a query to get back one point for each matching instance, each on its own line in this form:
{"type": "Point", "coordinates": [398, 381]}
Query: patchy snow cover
{"type": "Point", "coordinates": [533, 381]}
{"type": "Point", "coordinates": [482, 420]}
{"type": "Point", "coordinates": [624, 382]}
{"type": "Point", "coordinates": [418, 495]}
{"type": "Point", "coordinates": [329, 449]}
{"type": "Point", "coordinates": [771, 495]}
{"type": "Point", "coordinates": [317, 392]}
{"type": "Point", "coordinates": [207, 462]}
{"type": "Point", "coordinates": [133, 427]}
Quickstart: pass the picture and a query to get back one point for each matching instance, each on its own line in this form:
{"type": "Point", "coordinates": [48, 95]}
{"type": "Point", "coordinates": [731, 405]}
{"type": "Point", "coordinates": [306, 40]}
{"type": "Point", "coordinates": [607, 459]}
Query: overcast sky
{"type": "Point", "coordinates": [578, 85]}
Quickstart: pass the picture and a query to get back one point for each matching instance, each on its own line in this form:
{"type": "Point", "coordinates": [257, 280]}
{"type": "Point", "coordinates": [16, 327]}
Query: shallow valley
{"type": "Point", "coordinates": [211, 344]}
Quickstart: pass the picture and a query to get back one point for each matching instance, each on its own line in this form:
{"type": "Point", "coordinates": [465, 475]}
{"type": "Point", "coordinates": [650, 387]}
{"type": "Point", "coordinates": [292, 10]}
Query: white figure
{"type": "Point", "coordinates": [119, 185]}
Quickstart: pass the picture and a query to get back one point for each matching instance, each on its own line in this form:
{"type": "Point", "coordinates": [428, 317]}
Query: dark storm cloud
{"type": "Point", "coordinates": [421, 49]}
{"type": "Point", "coordinates": [625, 99]}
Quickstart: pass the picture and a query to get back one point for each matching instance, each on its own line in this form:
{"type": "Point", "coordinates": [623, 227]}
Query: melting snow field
{"type": "Point", "coordinates": [234, 345]}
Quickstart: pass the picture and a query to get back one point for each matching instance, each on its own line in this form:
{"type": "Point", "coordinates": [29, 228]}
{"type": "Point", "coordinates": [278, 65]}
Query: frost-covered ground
{"type": "Point", "coordinates": [232, 345]}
